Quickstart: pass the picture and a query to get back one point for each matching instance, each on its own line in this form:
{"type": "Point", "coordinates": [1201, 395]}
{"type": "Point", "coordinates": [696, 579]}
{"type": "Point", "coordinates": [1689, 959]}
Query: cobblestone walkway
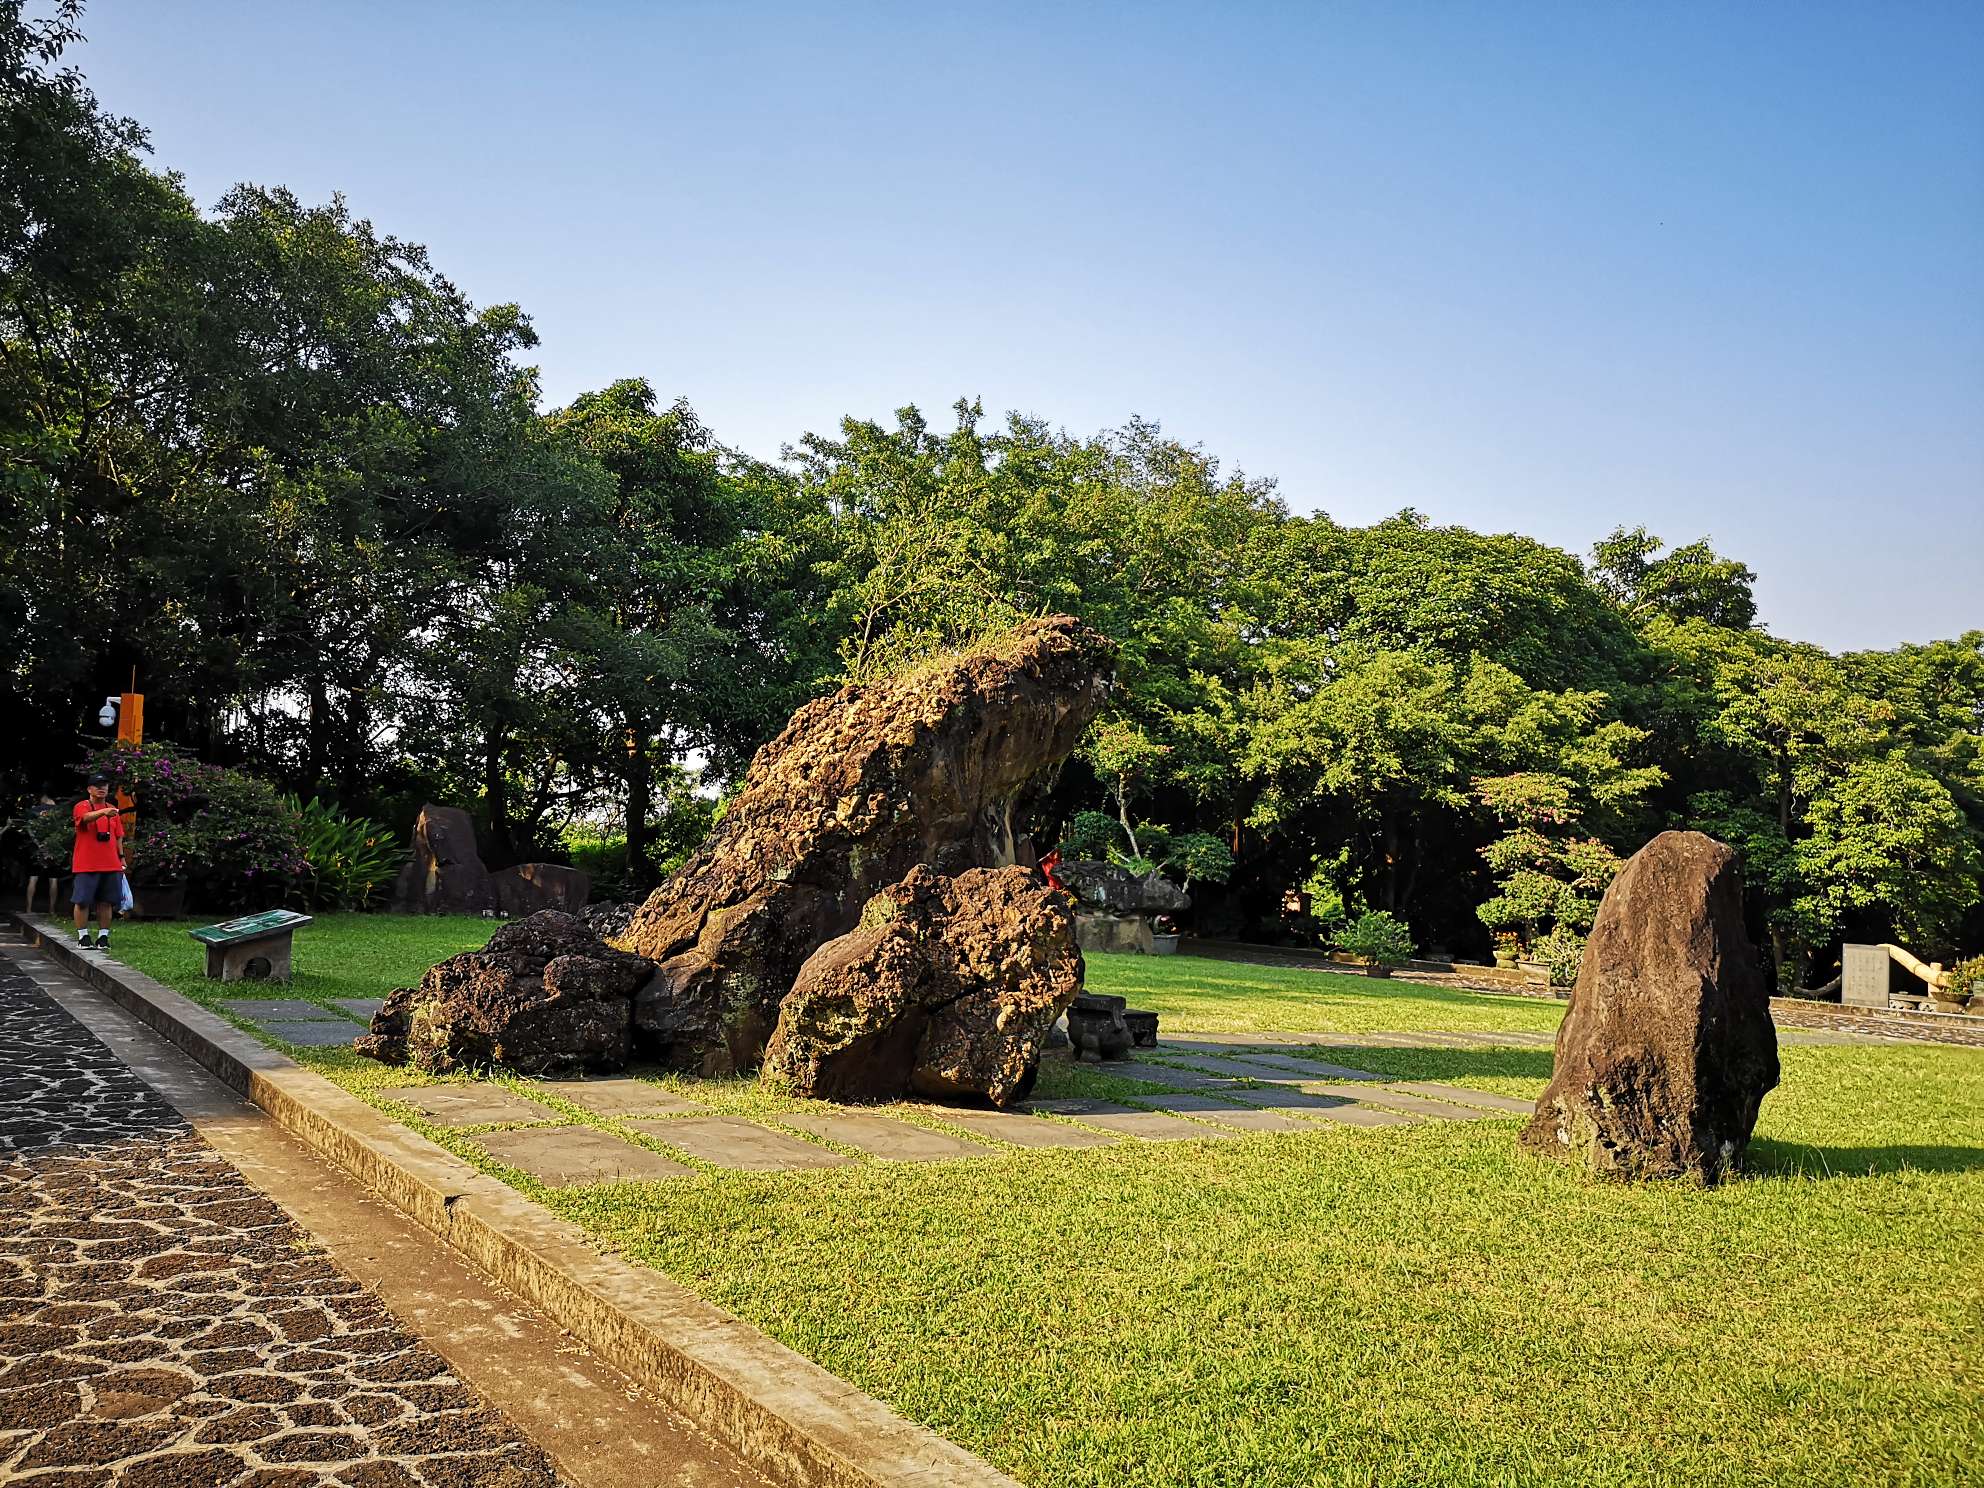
{"type": "Point", "coordinates": [163, 1325]}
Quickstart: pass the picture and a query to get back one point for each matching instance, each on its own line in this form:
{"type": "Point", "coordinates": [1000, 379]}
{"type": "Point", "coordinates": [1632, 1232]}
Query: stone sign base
{"type": "Point", "coordinates": [1112, 932]}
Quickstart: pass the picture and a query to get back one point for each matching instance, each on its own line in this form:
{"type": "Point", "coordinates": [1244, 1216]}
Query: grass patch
{"type": "Point", "coordinates": [1193, 994]}
{"type": "Point", "coordinates": [1411, 1305]}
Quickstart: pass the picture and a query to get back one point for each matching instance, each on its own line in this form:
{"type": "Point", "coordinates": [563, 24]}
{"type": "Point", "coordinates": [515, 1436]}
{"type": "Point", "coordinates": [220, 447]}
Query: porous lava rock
{"type": "Point", "coordinates": [1668, 1048]}
{"type": "Point", "coordinates": [545, 995]}
{"type": "Point", "coordinates": [947, 988]}
{"type": "Point", "coordinates": [445, 875]}
{"type": "Point", "coordinates": [936, 766]}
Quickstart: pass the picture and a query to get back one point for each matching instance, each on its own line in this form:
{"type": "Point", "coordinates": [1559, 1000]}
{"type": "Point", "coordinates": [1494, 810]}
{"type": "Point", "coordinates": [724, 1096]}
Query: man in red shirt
{"type": "Point", "coordinates": [98, 861]}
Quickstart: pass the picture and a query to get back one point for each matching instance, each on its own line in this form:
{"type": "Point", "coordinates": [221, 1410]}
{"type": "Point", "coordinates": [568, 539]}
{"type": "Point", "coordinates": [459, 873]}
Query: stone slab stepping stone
{"type": "Point", "coordinates": [1164, 1074]}
{"type": "Point", "coordinates": [1232, 1067]}
{"type": "Point", "coordinates": [732, 1142]}
{"type": "Point", "coordinates": [620, 1096]}
{"type": "Point", "coordinates": [361, 1008]}
{"type": "Point", "coordinates": [1216, 1043]}
{"type": "Point", "coordinates": [1460, 1095]}
{"type": "Point", "coordinates": [1021, 1131]}
{"type": "Point", "coordinates": [1400, 1100]}
{"type": "Point", "coordinates": [1241, 1118]}
{"type": "Point", "coordinates": [1310, 1069]}
{"type": "Point", "coordinates": [878, 1136]}
{"type": "Point", "coordinates": [566, 1155]}
{"type": "Point", "coordinates": [1151, 1126]}
{"type": "Point", "coordinates": [314, 1035]}
{"type": "Point", "coordinates": [469, 1105]}
{"type": "Point", "coordinates": [289, 1009]}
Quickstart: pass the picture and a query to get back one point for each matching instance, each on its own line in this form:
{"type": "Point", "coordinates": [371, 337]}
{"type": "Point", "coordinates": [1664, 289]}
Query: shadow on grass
{"type": "Point", "coordinates": [1457, 1065]}
{"type": "Point", "coordinates": [1767, 1158]}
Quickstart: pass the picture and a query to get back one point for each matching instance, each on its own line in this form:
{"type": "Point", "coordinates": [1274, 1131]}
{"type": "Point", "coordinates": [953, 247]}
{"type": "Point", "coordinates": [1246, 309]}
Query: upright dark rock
{"type": "Point", "coordinates": [1668, 1048]}
{"type": "Point", "coordinates": [937, 766]}
{"type": "Point", "coordinates": [544, 995]}
{"type": "Point", "coordinates": [445, 875]}
{"type": "Point", "coordinates": [947, 988]}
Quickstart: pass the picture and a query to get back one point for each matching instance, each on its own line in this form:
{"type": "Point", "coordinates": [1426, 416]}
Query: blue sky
{"type": "Point", "coordinates": [1549, 268]}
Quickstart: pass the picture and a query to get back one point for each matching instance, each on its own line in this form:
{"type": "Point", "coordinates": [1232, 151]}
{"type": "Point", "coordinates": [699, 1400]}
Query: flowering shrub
{"type": "Point", "coordinates": [223, 833]}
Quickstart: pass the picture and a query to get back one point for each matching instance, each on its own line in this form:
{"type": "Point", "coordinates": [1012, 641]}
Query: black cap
{"type": "Point", "coordinates": [99, 778]}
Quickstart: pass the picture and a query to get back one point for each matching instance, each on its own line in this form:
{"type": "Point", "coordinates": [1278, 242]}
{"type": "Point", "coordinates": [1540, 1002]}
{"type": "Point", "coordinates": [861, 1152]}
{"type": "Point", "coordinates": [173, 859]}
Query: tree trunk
{"type": "Point", "coordinates": [496, 801]}
{"type": "Point", "coordinates": [641, 875]}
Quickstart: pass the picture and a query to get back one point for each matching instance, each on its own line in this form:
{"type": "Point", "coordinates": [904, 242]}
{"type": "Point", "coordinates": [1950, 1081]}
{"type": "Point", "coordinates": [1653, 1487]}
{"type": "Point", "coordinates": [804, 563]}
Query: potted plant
{"type": "Point", "coordinates": [1164, 936]}
{"type": "Point", "coordinates": [1961, 985]}
{"type": "Point", "coordinates": [1507, 948]}
{"type": "Point", "coordinates": [1381, 941]}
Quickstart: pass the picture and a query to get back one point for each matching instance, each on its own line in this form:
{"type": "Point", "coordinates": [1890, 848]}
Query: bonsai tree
{"type": "Point", "coordinates": [1378, 939]}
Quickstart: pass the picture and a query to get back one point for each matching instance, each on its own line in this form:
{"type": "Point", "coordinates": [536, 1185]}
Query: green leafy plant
{"type": "Point", "coordinates": [1377, 938]}
{"type": "Point", "coordinates": [1963, 982]}
{"type": "Point", "coordinates": [1092, 834]}
{"type": "Point", "coordinates": [349, 859]}
{"type": "Point", "coordinates": [1561, 951]}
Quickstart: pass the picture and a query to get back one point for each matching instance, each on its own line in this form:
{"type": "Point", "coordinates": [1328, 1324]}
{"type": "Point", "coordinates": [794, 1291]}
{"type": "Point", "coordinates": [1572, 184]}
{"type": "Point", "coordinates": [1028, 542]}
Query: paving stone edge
{"type": "Point", "coordinates": [791, 1419]}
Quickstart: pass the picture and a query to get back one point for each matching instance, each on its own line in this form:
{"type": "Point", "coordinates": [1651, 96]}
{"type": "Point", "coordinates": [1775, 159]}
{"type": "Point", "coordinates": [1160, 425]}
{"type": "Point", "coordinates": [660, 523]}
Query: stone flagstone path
{"type": "Point", "coordinates": [1252, 1084]}
{"type": "Point", "coordinates": [163, 1325]}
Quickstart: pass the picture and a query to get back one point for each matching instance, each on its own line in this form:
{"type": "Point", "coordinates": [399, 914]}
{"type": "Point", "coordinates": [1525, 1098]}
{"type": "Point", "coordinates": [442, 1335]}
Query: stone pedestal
{"type": "Point", "coordinates": [1113, 932]}
{"type": "Point", "coordinates": [264, 960]}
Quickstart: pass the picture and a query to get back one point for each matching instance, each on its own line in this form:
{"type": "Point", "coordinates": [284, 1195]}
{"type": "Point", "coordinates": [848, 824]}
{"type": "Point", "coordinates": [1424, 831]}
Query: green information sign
{"type": "Point", "coordinates": [250, 927]}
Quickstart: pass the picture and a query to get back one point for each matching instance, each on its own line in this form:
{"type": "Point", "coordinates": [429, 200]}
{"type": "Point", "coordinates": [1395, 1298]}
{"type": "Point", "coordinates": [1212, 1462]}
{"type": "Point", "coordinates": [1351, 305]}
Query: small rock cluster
{"type": "Point", "coordinates": [865, 920]}
{"type": "Point", "coordinates": [545, 996]}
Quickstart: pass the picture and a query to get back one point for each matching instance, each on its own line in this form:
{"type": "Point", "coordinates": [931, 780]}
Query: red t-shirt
{"type": "Point", "coordinates": [92, 856]}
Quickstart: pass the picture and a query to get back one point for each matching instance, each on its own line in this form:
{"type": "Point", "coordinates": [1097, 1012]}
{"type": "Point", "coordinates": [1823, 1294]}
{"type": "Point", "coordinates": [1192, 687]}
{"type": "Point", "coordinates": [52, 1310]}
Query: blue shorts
{"type": "Point", "coordinates": [98, 888]}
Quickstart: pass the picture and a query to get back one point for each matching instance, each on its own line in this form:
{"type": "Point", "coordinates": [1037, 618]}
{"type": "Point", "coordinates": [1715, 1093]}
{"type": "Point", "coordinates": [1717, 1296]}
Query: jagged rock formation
{"type": "Point", "coordinates": [947, 988]}
{"type": "Point", "coordinates": [1668, 1048]}
{"type": "Point", "coordinates": [936, 766]}
{"type": "Point", "coordinates": [544, 995]}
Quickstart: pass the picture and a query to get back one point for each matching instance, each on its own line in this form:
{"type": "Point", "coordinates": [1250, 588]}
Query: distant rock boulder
{"type": "Point", "coordinates": [947, 988]}
{"type": "Point", "coordinates": [1668, 1048]}
{"type": "Point", "coordinates": [1104, 886]}
{"type": "Point", "coordinates": [545, 996]}
{"type": "Point", "coordinates": [445, 874]}
{"type": "Point", "coordinates": [938, 766]}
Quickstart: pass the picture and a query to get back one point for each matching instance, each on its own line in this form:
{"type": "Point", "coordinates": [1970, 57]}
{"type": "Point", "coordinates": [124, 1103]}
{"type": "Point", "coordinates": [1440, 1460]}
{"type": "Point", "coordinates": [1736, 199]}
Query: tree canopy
{"type": "Point", "coordinates": [267, 456]}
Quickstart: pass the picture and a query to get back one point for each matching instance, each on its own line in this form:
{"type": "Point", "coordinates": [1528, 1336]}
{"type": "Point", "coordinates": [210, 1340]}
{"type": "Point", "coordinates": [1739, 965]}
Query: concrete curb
{"type": "Point", "coordinates": [789, 1418]}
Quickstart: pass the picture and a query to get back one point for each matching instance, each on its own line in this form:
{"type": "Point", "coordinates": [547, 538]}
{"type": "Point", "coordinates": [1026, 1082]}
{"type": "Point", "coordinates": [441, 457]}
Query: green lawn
{"type": "Point", "coordinates": [1406, 1306]}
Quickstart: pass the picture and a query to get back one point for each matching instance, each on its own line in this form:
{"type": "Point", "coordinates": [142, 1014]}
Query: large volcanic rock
{"type": "Point", "coordinates": [1668, 1048]}
{"type": "Point", "coordinates": [936, 766]}
{"type": "Point", "coordinates": [544, 995]}
{"type": "Point", "coordinates": [948, 987]}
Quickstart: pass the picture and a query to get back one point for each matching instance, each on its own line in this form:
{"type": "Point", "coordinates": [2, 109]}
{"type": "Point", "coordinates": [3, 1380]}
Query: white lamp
{"type": "Point", "coordinates": [108, 716]}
